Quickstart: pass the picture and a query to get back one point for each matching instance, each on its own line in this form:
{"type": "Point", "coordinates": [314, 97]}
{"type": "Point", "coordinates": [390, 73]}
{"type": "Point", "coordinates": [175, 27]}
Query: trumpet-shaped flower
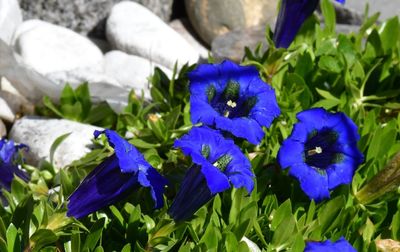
{"type": "Point", "coordinates": [232, 98]}
{"type": "Point", "coordinates": [217, 163]}
{"type": "Point", "coordinates": [327, 246]}
{"type": "Point", "coordinates": [115, 178]}
{"type": "Point", "coordinates": [321, 151]}
{"type": "Point", "coordinates": [292, 15]}
{"type": "Point", "coordinates": [8, 166]}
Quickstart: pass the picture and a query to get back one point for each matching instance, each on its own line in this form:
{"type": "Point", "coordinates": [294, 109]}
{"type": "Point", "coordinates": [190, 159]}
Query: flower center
{"type": "Point", "coordinates": [221, 163]}
{"type": "Point", "coordinates": [230, 103]}
{"type": "Point", "coordinates": [321, 150]}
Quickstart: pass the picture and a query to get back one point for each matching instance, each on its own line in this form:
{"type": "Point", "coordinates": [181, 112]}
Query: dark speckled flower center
{"type": "Point", "coordinates": [221, 162]}
{"type": "Point", "coordinates": [229, 103]}
{"type": "Point", "coordinates": [320, 149]}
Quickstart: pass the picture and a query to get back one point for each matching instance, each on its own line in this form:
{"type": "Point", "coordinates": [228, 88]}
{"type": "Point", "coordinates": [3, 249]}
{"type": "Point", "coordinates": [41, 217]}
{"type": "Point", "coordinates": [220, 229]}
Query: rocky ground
{"type": "Point", "coordinates": [115, 45]}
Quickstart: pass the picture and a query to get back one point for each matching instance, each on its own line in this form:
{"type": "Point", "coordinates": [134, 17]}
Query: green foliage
{"type": "Point", "coordinates": [357, 74]}
{"type": "Point", "coordinates": [76, 105]}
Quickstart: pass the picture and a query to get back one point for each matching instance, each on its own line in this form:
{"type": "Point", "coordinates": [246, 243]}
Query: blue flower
{"type": "Point", "coordinates": [321, 152]}
{"type": "Point", "coordinates": [8, 166]}
{"type": "Point", "coordinates": [115, 178]}
{"type": "Point", "coordinates": [292, 15]}
{"type": "Point", "coordinates": [327, 246]}
{"type": "Point", "coordinates": [217, 162]}
{"type": "Point", "coordinates": [232, 98]}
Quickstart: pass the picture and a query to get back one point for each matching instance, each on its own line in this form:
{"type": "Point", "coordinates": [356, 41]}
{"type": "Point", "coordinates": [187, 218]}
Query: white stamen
{"type": "Point", "coordinates": [317, 150]}
{"type": "Point", "coordinates": [231, 104]}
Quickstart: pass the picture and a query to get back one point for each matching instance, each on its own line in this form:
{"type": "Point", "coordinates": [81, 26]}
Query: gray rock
{"type": "Point", "coordinates": [82, 16]}
{"type": "Point", "coordinates": [387, 8]}
{"type": "Point", "coordinates": [3, 129]}
{"type": "Point", "coordinates": [10, 18]}
{"type": "Point", "coordinates": [50, 48]}
{"type": "Point", "coordinates": [343, 28]}
{"type": "Point", "coordinates": [40, 133]}
{"type": "Point", "coordinates": [231, 45]}
{"type": "Point", "coordinates": [184, 28]}
{"type": "Point", "coordinates": [133, 29]}
{"type": "Point", "coordinates": [345, 15]}
{"type": "Point", "coordinates": [211, 18]}
{"type": "Point", "coordinates": [131, 71]}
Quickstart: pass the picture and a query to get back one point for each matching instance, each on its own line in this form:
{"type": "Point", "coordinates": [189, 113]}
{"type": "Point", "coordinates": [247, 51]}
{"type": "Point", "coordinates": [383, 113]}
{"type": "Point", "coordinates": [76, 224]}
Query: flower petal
{"type": "Point", "coordinates": [313, 183]}
{"type": "Point", "coordinates": [291, 16]}
{"type": "Point", "coordinates": [217, 181]}
{"type": "Point", "coordinates": [245, 128]}
{"type": "Point", "coordinates": [157, 185]}
{"type": "Point", "coordinates": [193, 193]}
{"type": "Point", "coordinates": [129, 158]}
{"type": "Point", "coordinates": [201, 111]}
{"type": "Point", "coordinates": [290, 153]}
{"type": "Point", "coordinates": [342, 172]}
{"type": "Point", "coordinates": [327, 246]}
{"type": "Point", "coordinates": [104, 186]}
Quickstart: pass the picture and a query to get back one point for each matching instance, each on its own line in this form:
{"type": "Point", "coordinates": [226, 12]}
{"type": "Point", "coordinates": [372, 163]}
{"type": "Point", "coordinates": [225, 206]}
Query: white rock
{"type": "Point", "coordinates": [5, 85]}
{"type": "Point", "coordinates": [10, 19]}
{"type": "Point", "coordinates": [3, 129]}
{"type": "Point", "coordinates": [135, 30]}
{"type": "Point", "coordinates": [40, 133]}
{"type": "Point", "coordinates": [180, 26]}
{"type": "Point", "coordinates": [50, 48]}
{"type": "Point", "coordinates": [34, 86]}
{"type": "Point", "coordinates": [17, 103]}
{"type": "Point", "coordinates": [77, 76]}
{"type": "Point", "coordinates": [27, 81]}
{"type": "Point", "coordinates": [6, 113]}
{"type": "Point", "coordinates": [131, 71]}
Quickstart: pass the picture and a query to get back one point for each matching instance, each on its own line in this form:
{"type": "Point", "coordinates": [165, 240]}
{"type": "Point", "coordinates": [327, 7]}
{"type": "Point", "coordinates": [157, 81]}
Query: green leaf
{"type": "Point", "coordinates": [72, 111]}
{"type": "Point", "coordinates": [94, 235]}
{"type": "Point", "coordinates": [67, 95]}
{"type": "Point", "coordinates": [49, 104]}
{"type": "Point", "coordinates": [330, 64]}
{"type": "Point", "coordinates": [83, 96]}
{"type": "Point", "coordinates": [382, 140]}
{"type": "Point", "coordinates": [389, 34]}
{"type": "Point", "coordinates": [329, 212]}
{"type": "Point", "coordinates": [41, 238]}
{"type": "Point", "coordinates": [55, 145]}
{"type": "Point", "coordinates": [172, 118]}
{"type": "Point", "coordinates": [284, 211]}
{"type": "Point", "coordinates": [139, 143]}
{"type": "Point", "coordinates": [13, 239]}
{"type": "Point", "coordinates": [329, 15]}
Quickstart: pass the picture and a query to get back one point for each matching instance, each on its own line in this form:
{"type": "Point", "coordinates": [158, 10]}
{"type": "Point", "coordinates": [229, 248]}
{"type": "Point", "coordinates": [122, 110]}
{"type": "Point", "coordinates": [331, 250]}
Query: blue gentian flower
{"type": "Point", "coordinates": [292, 15]}
{"type": "Point", "coordinates": [232, 98]}
{"type": "Point", "coordinates": [327, 246]}
{"type": "Point", "coordinates": [217, 162]}
{"type": "Point", "coordinates": [321, 151]}
{"type": "Point", "coordinates": [8, 165]}
{"type": "Point", "coordinates": [115, 178]}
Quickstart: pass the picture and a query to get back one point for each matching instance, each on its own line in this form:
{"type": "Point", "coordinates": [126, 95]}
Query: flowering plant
{"type": "Point", "coordinates": [232, 98]}
{"type": "Point", "coordinates": [229, 138]}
